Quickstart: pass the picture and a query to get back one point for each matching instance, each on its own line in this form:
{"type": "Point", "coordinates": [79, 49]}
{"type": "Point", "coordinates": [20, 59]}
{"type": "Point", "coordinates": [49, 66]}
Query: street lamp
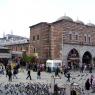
{"type": "Point", "coordinates": [62, 48]}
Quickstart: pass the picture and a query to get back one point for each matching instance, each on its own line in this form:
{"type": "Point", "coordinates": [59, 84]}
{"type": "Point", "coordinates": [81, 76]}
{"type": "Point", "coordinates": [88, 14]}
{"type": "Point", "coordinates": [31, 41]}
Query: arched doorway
{"type": "Point", "coordinates": [87, 58]}
{"type": "Point", "coordinates": [73, 59]}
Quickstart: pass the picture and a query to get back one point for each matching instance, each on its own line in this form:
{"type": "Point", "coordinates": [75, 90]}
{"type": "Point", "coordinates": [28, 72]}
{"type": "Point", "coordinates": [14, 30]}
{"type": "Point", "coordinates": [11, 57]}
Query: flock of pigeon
{"type": "Point", "coordinates": [27, 88]}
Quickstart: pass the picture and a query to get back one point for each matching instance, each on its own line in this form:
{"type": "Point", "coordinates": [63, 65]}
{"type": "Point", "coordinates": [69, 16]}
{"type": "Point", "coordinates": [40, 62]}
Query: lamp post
{"type": "Point", "coordinates": [62, 49]}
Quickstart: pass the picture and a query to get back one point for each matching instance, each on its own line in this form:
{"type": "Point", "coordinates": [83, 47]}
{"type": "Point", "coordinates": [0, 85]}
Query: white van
{"type": "Point", "coordinates": [53, 64]}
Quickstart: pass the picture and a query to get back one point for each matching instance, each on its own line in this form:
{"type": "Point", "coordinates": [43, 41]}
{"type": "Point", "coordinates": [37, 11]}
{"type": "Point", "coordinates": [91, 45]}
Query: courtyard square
{"type": "Point", "coordinates": [46, 78]}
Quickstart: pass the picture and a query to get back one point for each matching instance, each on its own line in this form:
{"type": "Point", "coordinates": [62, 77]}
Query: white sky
{"type": "Point", "coordinates": [17, 15]}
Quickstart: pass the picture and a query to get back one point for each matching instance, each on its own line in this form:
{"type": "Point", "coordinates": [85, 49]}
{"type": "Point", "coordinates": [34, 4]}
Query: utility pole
{"type": "Point", "coordinates": [62, 48]}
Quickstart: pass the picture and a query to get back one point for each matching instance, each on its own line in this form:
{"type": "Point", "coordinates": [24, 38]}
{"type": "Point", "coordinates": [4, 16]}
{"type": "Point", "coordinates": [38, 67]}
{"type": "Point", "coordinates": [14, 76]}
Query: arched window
{"type": "Point", "coordinates": [70, 35]}
{"type": "Point", "coordinates": [34, 50]}
{"type": "Point", "coordinates": [89, 38]}
{"type": "Point", "coordinates": [37, 37]}
{"type": "Point", "coordinates": [76, 36]}
{"type": "Point", "coordinates": [33, 38]}
{"type": "Point", "coordinates": [85, 38]}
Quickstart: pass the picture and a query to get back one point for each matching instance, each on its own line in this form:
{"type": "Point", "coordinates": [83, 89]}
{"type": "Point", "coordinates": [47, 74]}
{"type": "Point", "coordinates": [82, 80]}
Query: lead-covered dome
{"type": "Point", "coordinates": [79, 21]}
{"type": "Point", "coordinates": [66, 18]}
{"type": "Point", "coordinates": [90, 24]}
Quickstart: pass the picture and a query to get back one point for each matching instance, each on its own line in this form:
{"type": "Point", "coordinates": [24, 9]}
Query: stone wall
{"type": "Point", "coordinates": [53, 36]}
{"type": "Point", "coordinates": [81, 50]}
{"type": "Point", "coordinates": [42, 45]}
{"type": "Point", "coordinates": [66, 28]}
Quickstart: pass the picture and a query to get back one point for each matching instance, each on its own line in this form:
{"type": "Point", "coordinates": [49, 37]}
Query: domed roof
{"type": "Point", "coordinates": [79, 21]}
{"type": "Point", "coordinates": [66, 18]}
{"type": "Point", "coordinates": [90, 24]}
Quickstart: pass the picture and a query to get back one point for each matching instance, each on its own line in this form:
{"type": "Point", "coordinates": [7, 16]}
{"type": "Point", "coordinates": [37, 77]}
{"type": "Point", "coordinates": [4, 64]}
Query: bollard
{"type": "Point", "coordinates": [52, 84]}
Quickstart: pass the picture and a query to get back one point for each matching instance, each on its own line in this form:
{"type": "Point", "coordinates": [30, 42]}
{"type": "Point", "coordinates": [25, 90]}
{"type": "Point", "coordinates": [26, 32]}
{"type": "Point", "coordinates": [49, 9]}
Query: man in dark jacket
{"type": "Point", "coordinates": [87, 86]}
{"type": "Point", "coordinates": [28, 74]}
{"type": "Point", "coordinates": [56, 89]}
{"type": "Point", "coordinates": [68, 76]}
{"type": "Point", "coordinates": [10, 75]}
{"type": "Point", "coordinates": [39, 74]}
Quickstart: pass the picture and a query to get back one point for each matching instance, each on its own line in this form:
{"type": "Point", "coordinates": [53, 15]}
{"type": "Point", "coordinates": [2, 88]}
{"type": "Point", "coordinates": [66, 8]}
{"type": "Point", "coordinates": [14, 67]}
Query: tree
{"type": "Point", "coordinates": [31, 58]}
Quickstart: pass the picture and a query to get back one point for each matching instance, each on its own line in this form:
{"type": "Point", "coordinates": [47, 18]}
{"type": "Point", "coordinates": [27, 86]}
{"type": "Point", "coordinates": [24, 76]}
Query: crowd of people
{"type": "Point", "coordinates": [12, 71]}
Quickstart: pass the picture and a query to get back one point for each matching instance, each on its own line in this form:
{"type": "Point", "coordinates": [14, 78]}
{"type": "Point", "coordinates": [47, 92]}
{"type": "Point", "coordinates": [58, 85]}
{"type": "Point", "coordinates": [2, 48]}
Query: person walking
{"type": "Point", "coordinates": [90, 69]}
{"type": "Point", "coordinates": [10, 75]}
{"type": "Point", "coordinates": [56, 89]}
{"type": "Point", "coordinates": [65, 71]}
{"type": "Point", "coordinates": [91, 79]}
{"type": "Point", "coordinates": [8, 67]}
{"type": "Point", "coordinates": [68, 76]}
{"type": "Point", "coordinates": [2, 69]}
{"type": "Point", "coordinates": [15, 71]}
{"type": "Point", "coordinates": [87, 86]}
{"type": "Point", "coordinates": [57, 72]}
{"type": "Point", "coordinates": [28, 74]}
{"type": "Point", "coordinates": [82, 68]}
{"type": "Point", "coordinates": [38, 74]}
{"type": "Point", "coordinates": [9, 72]}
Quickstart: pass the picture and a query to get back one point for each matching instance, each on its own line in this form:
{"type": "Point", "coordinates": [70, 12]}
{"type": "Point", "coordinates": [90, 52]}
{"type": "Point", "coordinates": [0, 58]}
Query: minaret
{"type": "Point", "coordinates": [3, 34]}
{"type": "Point", "coordinates": [11, 32]}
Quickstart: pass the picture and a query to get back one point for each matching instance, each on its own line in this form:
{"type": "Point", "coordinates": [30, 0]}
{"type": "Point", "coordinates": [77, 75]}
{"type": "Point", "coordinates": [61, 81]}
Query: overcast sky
{"type": "Point", "coordinates": [17, 15]}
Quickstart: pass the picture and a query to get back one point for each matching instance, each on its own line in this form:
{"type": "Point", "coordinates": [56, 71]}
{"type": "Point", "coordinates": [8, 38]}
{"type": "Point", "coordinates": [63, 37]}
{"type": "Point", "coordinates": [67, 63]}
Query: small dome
{"type": "Point", "coordinates": [66, 18]}
{"type": "Point", "coordinates": [90, 24]}
{"type": "Point", "coordinates": [79, 21]}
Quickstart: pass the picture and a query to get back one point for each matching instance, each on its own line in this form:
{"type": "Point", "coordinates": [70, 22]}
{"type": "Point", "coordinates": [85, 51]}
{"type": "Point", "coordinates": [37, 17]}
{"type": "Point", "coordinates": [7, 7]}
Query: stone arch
{"type": "Point", "coordinates": [73, 58]}
{"type": "Point", "coordinates": [87, 58]}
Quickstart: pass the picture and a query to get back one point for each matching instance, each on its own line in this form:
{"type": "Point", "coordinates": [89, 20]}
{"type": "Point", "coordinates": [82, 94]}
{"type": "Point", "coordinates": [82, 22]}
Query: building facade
{"type": "Point", "coordinates": [40, 40]}
{"type": "Point", "coordinates": [4, 53]}
{"type": "Point", "coordinates": [17, 44]}
{"type": "Point", "coordinates": [71, 41]}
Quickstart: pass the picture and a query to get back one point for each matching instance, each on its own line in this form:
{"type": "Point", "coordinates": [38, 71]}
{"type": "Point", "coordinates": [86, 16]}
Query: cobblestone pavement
{"type": "Point", "coordinates": [76, 76]}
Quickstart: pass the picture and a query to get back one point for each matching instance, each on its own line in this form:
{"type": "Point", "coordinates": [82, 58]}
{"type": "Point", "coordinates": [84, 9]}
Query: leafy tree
{"type": "Point", "coordinates": [31, 59]}
{"type": "Point", "coordinates": [27, 58]}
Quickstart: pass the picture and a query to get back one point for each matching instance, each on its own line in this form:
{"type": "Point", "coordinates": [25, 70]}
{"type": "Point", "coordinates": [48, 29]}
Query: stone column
{"type": "Point", "coordinates": [80, 63]}
{"type": "Point", "coordinates": [92, 62]}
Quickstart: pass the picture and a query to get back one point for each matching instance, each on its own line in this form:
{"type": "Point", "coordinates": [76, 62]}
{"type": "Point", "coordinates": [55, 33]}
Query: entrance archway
{"type": "Point", "coordinates": [87, 58]}
{"type": "Point", "coordinates": [73, 59]}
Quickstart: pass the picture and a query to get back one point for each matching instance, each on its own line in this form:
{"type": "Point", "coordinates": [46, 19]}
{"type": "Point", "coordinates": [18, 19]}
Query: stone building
{"type": "Point", "coordinates": [40, 40]}
{"type": "Point", "coordinates": [17, 44]}
{"type": "Point", "coordinates": [65, 39]}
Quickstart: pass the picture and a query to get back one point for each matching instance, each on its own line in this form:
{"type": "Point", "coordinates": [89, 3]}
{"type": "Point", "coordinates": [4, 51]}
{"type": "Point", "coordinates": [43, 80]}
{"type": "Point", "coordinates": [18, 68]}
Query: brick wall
{"type": "Point", "coordinates": [66, 28]}
{"type": "Point", "coordinates": [51, 35]}
{"type": "Point", "coordinates": [42, 45]}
